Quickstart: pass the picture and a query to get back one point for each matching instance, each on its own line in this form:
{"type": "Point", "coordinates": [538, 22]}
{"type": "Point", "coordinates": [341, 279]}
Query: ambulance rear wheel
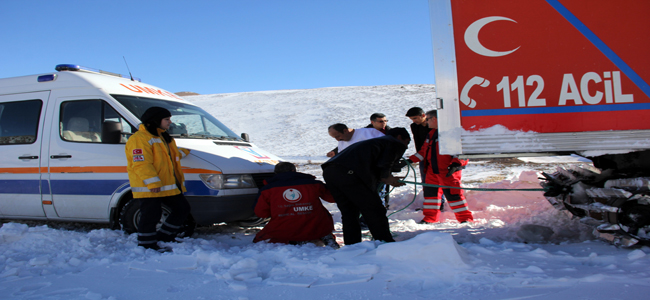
{"type": "Point", "coordinates": [130, 218]}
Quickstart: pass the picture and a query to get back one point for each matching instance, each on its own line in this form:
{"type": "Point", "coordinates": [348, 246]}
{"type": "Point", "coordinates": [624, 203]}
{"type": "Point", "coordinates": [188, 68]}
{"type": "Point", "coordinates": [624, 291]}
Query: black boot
{"type": "Point", "coordinates": [330, 241]}
{"type": "Point", "coordinates": [157, 248]}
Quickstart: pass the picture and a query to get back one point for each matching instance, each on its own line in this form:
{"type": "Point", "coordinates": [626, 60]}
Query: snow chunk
{"type": "Point", "coordinates": [244, 269]}
{"type": "Point", "coordinates": [534, 269]}
{"type": "Point", "coordinates": [431, 247]}
{"type": "Point", "coordinates": [636, 254]}
{"type": "Point", "coordinates": [12, 232]}
{"type": "Point", "coordinates": [39, 261]}
{"type": "Point", "coordinates": [488, 242]}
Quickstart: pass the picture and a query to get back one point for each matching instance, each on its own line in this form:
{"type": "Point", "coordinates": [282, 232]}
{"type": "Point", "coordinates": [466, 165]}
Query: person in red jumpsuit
{"type": "Point", "coordinates": [441, 170]}
{"type": "Point", "coordinates": [293, 202]}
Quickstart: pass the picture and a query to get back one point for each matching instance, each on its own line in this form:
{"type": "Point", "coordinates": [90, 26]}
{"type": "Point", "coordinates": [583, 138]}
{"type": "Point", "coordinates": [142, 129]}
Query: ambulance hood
{"type": "Point", "coordinates": [229, 157]}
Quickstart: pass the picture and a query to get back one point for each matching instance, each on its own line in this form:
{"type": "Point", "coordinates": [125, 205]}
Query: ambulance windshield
{"type": "Point", "coordinates": [188, 121]}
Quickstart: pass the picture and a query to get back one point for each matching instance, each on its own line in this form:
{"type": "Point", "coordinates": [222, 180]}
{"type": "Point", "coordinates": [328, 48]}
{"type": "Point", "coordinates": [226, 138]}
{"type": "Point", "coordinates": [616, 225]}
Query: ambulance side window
{"type": "Point", "coordinates": [19, 121]}
{"type": "Point", "coordinates": [81, 121]}
{"type": "Point", "coordinates": [113, 116]}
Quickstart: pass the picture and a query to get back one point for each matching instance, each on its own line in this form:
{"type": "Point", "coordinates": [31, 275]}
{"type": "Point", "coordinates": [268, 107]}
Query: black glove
{"type": "Point", "coordinates": [453, 168]}
{"type": "Point", "coordinates": [409, 161]}
{"type": "Point", "coordinates": [397, 167]}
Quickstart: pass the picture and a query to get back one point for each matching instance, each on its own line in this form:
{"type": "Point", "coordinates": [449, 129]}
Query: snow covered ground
{"type": "Point", "coordinates": [500, 256]}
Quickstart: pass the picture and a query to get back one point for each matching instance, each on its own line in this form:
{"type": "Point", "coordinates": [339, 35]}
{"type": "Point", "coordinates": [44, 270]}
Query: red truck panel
{"type": "Point", "coordinates": [553, 66]}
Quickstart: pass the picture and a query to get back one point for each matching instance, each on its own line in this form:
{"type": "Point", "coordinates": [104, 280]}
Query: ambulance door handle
{"type": "Point", "coordinates": [60, 156]}
{"type": "Point", "coordinates": [28, 157]}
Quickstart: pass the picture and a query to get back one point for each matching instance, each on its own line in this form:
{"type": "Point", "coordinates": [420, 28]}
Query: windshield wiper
{"type": "Point", "coordinates": [212, 137]}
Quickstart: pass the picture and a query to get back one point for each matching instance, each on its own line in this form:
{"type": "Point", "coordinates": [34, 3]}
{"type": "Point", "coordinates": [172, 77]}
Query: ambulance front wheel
{"type": "Point", "coordinates": [130, 218]}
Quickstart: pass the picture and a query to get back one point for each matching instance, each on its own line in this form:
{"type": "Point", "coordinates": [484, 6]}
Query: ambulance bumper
{"type": "Point", "coordinates": [208, 210]}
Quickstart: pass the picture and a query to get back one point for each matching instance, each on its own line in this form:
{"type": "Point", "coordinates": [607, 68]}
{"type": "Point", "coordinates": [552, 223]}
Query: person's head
{"type": "Point", "coordinates": [378, 121]}
{"type": "Point", "coordinates": [401, 134]}
{"type": "Point", "coordinates": [432, 119]}
{"type": "Point", "coordinates": [156, 117]}
{"type": "Point", "coordinates": [340, 132]}
{"type": "Point", "coordinates": [284, 167]}
{"type": "Point", "coordinates": [417, 115]}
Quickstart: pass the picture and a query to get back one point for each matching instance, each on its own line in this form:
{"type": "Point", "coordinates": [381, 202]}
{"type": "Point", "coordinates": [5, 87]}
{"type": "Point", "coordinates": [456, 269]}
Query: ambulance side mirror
{"type": "Point", "coordinates": [111, 132]}
{"type": "Point", "coordinates": [245, 137]}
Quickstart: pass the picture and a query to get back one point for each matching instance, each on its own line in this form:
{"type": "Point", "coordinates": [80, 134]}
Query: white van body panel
{"type": "Point", "coordinates": [20, 171]}
{"type": "Point", "coordinates": [71, 175]}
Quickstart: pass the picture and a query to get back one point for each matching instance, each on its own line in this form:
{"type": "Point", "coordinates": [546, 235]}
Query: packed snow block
{"type": "Point", "coordinates": [349, 252]}
{"type": "Point", "coordinates": [532, 233]}
{"type": "Point", "coordinates": [342, 279]}
{"type": "Point", "coordinates": [440, 250]}
{"type": "Point", "coordinates": [12, 232]}
{"type": "Point", "coordinates": [243, 270]}
{"type": "Point", "coordinates": [166, 264]}
{"type": "Point", "coordinates": [297, 281]}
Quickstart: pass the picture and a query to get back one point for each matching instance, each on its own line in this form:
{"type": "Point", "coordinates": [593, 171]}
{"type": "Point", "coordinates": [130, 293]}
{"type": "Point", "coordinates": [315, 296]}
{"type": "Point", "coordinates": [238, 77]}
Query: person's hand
{"type": "Point", "coordinates": [453, 168]}
{"type": "Point", "coordinates": [397, 167]}
{"type": "Point", "coordinates": [331, 154]}
{"type": "Point", "coordinates": [394, 181]}
{"type": "Point", "coordinates": [155, 190]}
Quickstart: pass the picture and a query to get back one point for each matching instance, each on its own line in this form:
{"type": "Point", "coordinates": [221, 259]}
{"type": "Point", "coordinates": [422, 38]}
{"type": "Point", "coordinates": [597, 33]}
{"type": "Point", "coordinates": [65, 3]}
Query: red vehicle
{"type": "Point", "coordinates": [553, 77]}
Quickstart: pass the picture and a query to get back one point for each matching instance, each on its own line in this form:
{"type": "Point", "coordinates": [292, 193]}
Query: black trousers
{"type": "Point", "coordinates": [150, 213]}
{"type": "Point", "coordinates": [352, 197]}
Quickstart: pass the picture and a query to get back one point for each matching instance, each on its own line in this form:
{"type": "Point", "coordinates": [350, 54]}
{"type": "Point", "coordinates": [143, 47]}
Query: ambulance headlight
{"type": "Point", "coordinates": [222, 181]}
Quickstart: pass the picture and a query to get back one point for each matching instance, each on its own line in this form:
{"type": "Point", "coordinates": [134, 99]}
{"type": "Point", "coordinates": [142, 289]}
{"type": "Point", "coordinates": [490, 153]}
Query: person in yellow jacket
{"type": "Point", "coordinates": [154, 168]}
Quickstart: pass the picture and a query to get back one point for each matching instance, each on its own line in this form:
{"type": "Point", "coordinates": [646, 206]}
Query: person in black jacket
{"type": "Point", "coordinates": [419, 127]}
{"type": "Point", "coordinates": [420, 130]}
{"type": "Point", "coordinates": [354, 176]}
{"type": "Point", "coordinates": [378, 121]}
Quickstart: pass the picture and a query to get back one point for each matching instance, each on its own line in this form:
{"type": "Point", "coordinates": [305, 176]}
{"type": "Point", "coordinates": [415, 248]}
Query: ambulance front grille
{"type": "Point", "coordinates": [259, 178]}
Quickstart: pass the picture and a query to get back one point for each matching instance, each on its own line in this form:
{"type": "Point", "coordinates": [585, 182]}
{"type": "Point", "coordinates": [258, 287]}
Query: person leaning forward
{"type": "Point", "coordinates": [293, 202]}
{"type": "Point", "coordinates": [353, 177]}
{"type": "Point", "coordinates": [154, 168]}
{"type": "Point", "coordinates": [348, 136]}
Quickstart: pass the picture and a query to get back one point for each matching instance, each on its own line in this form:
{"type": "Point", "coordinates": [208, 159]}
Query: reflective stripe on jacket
{"type": "Point", "coordinates": [435, 162]}
{"type": "Point", "coordinates": [150, 165]}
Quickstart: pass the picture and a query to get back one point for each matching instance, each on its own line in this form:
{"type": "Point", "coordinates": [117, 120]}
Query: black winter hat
{"type": "Point", "coordinates": [151, 119]}
{"type": "Point", "coordinates": [399, 131]}
{"type": "Point", "coordinates": [154, 115]}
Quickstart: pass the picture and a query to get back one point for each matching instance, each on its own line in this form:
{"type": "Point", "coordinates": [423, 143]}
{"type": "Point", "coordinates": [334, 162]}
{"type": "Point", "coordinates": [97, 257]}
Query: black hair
{"type": "Point", "coordinates": [338, 127]}
{"type": "Point", "coordinates": [432, 113]}
{"type": "Point", "coordinates": [399, 131]}
{"type": "Point", "coordinates": [376, 116]}
{"type": "Point", "coordinates": [414, 111]}
{"type": "Point", "coordinates": [284, 167]}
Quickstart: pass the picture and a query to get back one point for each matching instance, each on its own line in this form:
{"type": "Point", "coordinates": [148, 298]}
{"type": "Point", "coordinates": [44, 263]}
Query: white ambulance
{"type": "Point", "coordinates": [62, 137]}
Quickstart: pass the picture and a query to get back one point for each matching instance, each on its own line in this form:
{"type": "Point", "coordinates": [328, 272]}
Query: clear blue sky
{"type": "Point", "coordinates": [224, 46]}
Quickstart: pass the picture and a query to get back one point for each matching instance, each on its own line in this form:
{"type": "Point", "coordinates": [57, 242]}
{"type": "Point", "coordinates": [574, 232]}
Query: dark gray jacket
{"type": "Point", "coordinates": [370, 160]}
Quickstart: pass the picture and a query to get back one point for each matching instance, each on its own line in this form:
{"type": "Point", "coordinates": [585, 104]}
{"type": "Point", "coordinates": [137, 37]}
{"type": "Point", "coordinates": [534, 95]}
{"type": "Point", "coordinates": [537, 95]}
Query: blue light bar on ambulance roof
{"type": "Point", "coordinates": [67, 67]}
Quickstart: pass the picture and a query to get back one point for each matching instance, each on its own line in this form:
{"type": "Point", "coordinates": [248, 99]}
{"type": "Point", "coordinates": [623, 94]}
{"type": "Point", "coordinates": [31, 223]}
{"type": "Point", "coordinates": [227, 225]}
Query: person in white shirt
{"type": "Point", "coordinates": [348, 136]}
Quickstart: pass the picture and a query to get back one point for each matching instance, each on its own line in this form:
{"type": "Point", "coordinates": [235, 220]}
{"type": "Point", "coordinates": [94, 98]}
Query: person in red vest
{"type": "Point", "coordinates": [293, 202]}
{"type": "Point", "coordinates": [441, 170]}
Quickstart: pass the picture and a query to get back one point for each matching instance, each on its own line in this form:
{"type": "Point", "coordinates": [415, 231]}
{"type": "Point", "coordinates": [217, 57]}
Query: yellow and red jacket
{"type": "Point", "coordinates": [152, 163]}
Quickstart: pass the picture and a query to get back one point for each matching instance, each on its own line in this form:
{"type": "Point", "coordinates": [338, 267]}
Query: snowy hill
{"type": "Point", "coordinates": [498, 256]}
{"type": "Point", "coordinates": [279, 120]}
